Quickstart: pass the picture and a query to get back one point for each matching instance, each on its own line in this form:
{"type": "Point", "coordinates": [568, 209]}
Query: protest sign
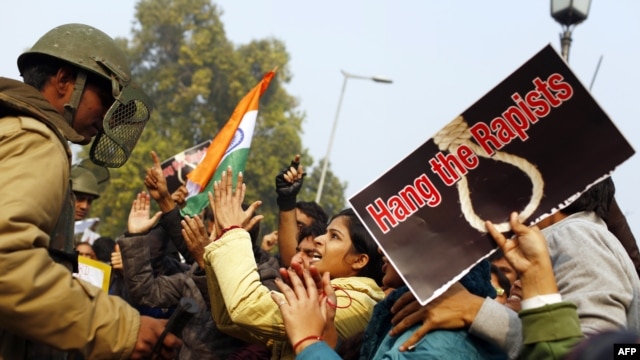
{"type": "Point", "coordinates": [95, 272]}
{"type": "Point", "coordinates": [176, 168]}
{"type": "Point", "coordinates": [86, 230]}
{"type": "Point", "coordinates": [531, 143]}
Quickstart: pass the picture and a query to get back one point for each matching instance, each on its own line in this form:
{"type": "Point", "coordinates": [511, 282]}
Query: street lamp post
{"type": "Point", "coordinates": [569, 13]}
{"type": "Point", "coordinates": [347, 76]}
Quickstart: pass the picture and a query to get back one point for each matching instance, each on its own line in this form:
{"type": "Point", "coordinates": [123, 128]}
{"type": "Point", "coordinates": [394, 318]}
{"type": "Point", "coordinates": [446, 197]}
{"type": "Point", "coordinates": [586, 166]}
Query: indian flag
{"type": "Point", "coordinates": [230, 147]}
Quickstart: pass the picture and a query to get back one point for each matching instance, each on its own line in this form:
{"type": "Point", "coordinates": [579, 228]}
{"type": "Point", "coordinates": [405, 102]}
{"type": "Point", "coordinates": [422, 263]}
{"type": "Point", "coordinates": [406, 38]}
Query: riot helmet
{"type": "Point", "coordinates": [84, 181]}
{"type": "Point", "coordinates": [102, 174]}
{"type": "Point", "coordinates": [95, 53]}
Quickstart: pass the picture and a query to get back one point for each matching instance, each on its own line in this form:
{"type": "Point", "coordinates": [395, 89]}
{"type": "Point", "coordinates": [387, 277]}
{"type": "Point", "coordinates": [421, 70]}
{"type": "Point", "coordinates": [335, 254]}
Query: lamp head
{"type": "Point", "coordinates": [381, 79]}
{"type": "Point", "coordinates": [570, 12]}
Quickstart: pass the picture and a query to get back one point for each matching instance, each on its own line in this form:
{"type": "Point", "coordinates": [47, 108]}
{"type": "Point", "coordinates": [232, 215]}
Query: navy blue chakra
{"type": "Point", "coordinates": [237, 140]}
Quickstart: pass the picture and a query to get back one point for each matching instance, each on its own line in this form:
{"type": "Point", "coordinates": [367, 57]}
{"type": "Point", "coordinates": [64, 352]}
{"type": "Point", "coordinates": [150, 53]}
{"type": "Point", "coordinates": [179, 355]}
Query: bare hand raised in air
{"type": "Point", "coordinates": [227, 204]}
{"type": "Point", "coordinates": [528, 253]}
{"type": "Point", "coordinates": [139, 216]}
{"type": "Point", "coordinates": [526, 250]}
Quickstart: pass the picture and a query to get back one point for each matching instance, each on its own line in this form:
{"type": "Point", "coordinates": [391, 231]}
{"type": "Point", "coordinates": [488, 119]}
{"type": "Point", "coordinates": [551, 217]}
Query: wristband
{"type": "Point", "coordinates": [226, 230]}
{"type": "Point", "coordinates": [311, 337]}
{"type": "Point", "coordinates": [540, 300]}
{"type": "Point", "coordinates": [286, 203]}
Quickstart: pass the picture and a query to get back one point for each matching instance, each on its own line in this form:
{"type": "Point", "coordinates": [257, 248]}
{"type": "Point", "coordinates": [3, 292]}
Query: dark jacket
{"type": "Point", "coordinates": [439, 344]}
{"type": "Point", "coordinates": [201, 337]}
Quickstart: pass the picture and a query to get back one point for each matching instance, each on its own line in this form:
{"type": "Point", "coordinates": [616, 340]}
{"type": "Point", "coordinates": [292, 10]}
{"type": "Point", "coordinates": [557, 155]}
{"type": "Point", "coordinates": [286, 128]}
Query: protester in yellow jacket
{"type": "Point", "coordinates": [242, 306]}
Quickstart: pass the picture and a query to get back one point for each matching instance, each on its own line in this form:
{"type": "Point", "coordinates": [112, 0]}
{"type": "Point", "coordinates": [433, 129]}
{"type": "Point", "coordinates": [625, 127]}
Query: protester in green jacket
{"type": "Point", "coordinates": [550, 326]}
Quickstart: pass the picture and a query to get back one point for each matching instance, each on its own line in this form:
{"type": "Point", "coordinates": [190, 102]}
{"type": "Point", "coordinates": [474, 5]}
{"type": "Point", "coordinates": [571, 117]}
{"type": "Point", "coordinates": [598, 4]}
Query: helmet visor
{"type": "Point", "coordinates": [123, 125]}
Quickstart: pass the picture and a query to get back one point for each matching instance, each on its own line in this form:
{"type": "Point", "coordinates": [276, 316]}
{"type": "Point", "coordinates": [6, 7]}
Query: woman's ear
{"type": "Point", "coordinates": [359, 261]}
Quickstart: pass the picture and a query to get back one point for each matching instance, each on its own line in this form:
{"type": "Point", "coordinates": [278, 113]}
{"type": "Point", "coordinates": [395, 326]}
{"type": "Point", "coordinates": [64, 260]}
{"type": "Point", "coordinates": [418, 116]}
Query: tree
{"type": "Point", "coordinates": [332, 200]}
{"type": "Point", "coordinates": [181, 57]}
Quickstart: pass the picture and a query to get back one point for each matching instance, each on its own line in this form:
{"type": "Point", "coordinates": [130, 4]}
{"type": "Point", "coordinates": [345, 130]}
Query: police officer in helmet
{"type": "Point", "coordinates": [77, 87]}
{"type": "Point", "coordinates": [84, 185]}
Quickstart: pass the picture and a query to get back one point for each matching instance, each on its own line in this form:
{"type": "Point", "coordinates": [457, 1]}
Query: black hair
{"type": "Point", "coordinates": [363, 243]}
{"type": "Point", "coordinates": [103, 247]}
{"type": "Point", "coordinates": [497, 255]}
{"type": "Point", "coordinates": [597, 198]}
{"type": "Point", "coordinates": [315, 230]}
{"type": "Point", "coordinates": [208, 216]}
{"type": "Point", "coordinates": [254, 232]}
{"type": "Point", "coordinates": [314, 211]}
{"type": "Point", "coordinates": [37, 69]}
{"type": "Point", "coordinates": [503, 281]}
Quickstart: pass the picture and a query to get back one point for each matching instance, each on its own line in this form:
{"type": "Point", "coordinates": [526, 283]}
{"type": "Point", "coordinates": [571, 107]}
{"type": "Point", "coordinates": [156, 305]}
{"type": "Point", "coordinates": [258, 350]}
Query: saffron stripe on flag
{"type": "Point", "coordinates": [234, 137]}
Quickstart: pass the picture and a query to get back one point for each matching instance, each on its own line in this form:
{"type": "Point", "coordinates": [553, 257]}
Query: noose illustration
{"type": "Point", "coordinates": [457, 133]}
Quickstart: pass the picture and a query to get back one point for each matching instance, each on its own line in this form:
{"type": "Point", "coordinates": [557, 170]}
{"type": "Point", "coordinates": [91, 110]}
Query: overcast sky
{"type": "Point", "coordinates": [441, 55]}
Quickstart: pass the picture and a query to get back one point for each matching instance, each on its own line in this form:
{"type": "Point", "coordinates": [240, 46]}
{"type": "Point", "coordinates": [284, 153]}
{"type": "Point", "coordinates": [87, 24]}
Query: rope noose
{"type": "Point", "coordinates": [457, 133]}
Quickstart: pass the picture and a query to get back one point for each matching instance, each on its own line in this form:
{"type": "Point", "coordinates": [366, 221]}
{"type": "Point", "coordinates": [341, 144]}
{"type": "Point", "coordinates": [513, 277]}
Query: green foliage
{"type": "Point", "coordinates": [180, 55]}
{"type": "Point", "coordinates": [332, 200]}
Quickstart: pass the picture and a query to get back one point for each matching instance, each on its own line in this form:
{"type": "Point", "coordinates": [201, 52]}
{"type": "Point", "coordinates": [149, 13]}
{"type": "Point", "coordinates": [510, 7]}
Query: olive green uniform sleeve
{"type": "Point", "coordinates": [40, 299]}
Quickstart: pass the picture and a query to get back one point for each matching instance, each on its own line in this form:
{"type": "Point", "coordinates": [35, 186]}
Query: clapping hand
{"type": "Point", "coordinates": [305, 308]}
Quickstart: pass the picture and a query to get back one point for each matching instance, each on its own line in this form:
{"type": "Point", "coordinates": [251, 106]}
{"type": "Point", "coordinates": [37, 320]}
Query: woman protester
{"type": "Point", "coordinates": [305, 308]}
{"type": "Point", "coordinates": [243, 307]}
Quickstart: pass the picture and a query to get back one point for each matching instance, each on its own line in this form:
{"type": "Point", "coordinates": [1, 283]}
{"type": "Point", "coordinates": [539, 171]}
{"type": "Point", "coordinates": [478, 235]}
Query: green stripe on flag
{"type": "Point", "coordinates": [237, 160]}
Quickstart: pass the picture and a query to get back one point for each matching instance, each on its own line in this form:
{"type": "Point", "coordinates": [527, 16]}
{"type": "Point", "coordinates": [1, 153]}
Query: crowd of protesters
{"type": "Point", "coordinates": [317, 287]}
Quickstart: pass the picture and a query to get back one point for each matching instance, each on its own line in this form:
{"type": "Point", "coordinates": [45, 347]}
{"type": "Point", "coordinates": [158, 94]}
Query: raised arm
{"type": "Point", "coordinates": [240, 304]}
{"type": "Point", "coordinates": [528, 253]}
{"type": "Point", "coordinates": [157, 185]}
{"type": "Point", "coordinates": [288, 185]}
{"type": "Point", "coordinates": [550, 327]}
{"type": "Point", "coordinates": [139, 221]}
{"type": "Point", "coordinates": [143, 287]}
{"type": "Point", "coordinates": [169, 205]}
